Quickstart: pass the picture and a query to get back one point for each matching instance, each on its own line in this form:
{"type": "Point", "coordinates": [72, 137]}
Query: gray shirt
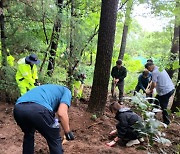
{"type": "Point", "coordinates": [164, 83]}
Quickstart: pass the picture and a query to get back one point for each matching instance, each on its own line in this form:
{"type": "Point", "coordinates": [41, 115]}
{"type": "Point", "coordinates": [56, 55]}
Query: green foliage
{"type": "Point", "coordinates": [150, 127]}
{"type": "Point", "coordinates": [8, 87]}
{"type": "Point", "coordinates": [132, 66]}
{"type": "Point", "coordinates": [94, 117]}
{"type": "Point", "coordinates": [178, 112]}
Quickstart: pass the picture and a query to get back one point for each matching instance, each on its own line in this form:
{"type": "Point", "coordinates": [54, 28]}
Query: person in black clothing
{"type": "Point", "coordinates": [118, 74]}
{"type": "Point", "coordinates": [124, 129]}
{"type": "Point", "coordinates": [143, 80]}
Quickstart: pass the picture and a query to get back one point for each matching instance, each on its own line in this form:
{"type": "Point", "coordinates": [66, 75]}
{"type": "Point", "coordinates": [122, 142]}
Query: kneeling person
{"type": "Point", "coordinates": [125, 130]}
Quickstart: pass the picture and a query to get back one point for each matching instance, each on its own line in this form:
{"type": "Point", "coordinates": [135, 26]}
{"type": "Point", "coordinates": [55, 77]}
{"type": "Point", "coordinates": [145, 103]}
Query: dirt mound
{"type": "Point", "coordinates": [90, 135]}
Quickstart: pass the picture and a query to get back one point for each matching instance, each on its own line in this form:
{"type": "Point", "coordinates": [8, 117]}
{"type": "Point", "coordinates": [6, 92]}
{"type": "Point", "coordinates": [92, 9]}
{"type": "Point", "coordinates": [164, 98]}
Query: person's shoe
{"type": "Point", "coordinates": [141, 139]}
{"type": "Point", "coordinates": [132, 142]}
{"type": "Point", "coordinates": [167, 122]}
{"type": "Point", "coordinates": [155, 110]}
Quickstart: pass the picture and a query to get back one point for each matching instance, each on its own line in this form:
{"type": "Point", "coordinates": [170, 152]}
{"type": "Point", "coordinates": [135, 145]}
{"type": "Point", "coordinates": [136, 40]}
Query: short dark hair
{"type": "Point", "coordinates": [145, 72]}
{"type": "Point", "coordinates": [149, 60]}
{"type": "Point", "coordinates": [148, 64]}
{"type": "Point", "coordinates": [119, 62]}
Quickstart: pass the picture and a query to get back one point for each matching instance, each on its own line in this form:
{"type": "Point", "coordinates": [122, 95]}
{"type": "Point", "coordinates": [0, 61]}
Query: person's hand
{"type": "Point", "coordinates": [148, 91]}
{"type": "Point", "coordinates": [37, 84]}
{"type": "Point", "coordinates": [113, 132]}
{"type": "Point", "coordinates": [116, 81]}
{"type": "Point", "coordinates": [69, 136]}
{"type": "Point", "coordinates": [112, 143]}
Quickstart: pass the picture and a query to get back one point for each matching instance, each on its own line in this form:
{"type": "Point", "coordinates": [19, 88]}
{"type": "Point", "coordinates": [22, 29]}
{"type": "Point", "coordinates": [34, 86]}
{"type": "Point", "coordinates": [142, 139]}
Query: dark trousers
{"type": "Point", "coordinates": [163, 102]}
{"type": "Point", "coordinates": [31, 117]}
{"type": "Point", "coordinates": [120, 86]}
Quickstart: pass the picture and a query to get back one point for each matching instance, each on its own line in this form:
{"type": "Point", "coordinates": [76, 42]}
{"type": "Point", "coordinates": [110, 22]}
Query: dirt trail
{"type": "Point", "coordinates": [91, 136]}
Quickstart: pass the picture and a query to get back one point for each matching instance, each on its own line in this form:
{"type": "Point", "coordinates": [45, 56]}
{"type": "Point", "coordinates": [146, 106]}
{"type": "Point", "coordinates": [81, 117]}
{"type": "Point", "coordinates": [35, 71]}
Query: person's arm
{"type": "Point", "coordinates": [25, 71]}
{"type": "Point", "coordinates": [153, 85]}
{"type": "Point", "coordinates": [124, 74]}
{"type": "Point", "coordinates": [64, 118]}
{"type": "Point", "coordinates": [113, 72]}
{"type": "Point", "coordinates": [140, 83]}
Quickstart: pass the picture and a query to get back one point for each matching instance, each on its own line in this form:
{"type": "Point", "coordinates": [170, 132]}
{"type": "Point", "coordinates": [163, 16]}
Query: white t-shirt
{"type": "Point", "coordinates": [164, 83]}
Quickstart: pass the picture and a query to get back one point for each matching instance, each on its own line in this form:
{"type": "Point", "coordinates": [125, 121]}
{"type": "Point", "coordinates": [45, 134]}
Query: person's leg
{"type": "Point", "coordinates": [22, 87]}
{"type": "Point", "coordinates": [136, 90]}
{"type": "Point", "coordinates": [121, 90]}
{"type": "Point", "coordinates": [131, 137]}
{"type": "Point", "coordinates": [43, 123]}
{"type": "Point", "coordinates": [20, 116]}
{"type": "Point", "coordinates": [164, 100]}
{"type": "Point", "coordinates": [112, 88]}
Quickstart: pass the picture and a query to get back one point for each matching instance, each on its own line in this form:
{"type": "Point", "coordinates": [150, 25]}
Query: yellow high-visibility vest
{"type": "Point", "coordinates": [25, 76]}
{"type": "Point", "coordinates": [10, 60]}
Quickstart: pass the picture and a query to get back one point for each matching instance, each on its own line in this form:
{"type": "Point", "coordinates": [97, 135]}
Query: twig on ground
{"type": "Point", "coordinates": [97, 123]}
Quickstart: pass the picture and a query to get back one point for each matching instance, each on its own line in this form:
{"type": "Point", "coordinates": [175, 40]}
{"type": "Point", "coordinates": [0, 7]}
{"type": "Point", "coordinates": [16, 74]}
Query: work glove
{"type": "Point", "coordinates": [69, 136]}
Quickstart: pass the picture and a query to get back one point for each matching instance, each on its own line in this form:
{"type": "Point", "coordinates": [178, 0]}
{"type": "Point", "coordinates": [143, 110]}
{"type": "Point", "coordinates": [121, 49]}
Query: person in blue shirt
{"type": "Point", "coordinates": [35, 110]}
{"type": "Point", "coordinates": [143, 80]}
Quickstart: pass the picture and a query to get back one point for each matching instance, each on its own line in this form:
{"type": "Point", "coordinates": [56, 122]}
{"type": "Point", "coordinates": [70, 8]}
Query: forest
{"type": "Point", "coordinates": [88, 37]}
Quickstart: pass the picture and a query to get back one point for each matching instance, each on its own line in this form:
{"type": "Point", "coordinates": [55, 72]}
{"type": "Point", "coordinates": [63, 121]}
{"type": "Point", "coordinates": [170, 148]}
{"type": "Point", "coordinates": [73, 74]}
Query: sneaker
{"type": "Point", "coordinates": [141, 139]}
{"type": "Point", "coordinates": [132, 142]}
{"type": "Point", "coordinates": [155, 110]}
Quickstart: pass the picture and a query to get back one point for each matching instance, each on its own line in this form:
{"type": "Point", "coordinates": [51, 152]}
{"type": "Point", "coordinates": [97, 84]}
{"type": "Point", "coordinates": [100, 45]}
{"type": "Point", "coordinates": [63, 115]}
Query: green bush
{"type": "Point", "coordinates": [9, 91]}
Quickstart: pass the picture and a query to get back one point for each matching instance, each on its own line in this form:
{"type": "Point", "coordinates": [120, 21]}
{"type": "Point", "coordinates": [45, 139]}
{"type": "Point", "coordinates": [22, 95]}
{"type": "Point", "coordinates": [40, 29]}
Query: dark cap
{"type": "Point", "coordinates": [119, 62]}
{"type": "Point", "coordinates": [32, 59]}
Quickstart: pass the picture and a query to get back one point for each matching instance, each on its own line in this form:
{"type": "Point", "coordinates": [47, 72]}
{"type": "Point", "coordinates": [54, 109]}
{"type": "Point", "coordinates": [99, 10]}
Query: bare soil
{"type": "Point", "coordinates": [91, 136]}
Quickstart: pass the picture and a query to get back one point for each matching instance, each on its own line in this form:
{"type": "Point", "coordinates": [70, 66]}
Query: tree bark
{"type": "Point", "coordinates": [104, 56]}
{"type": "Point", "coordinates": [55, 39]}
{"type": "Point", "coordinates": [174, 48]}
{"type": "Point", "coordinates": [176, 102]}
{"type": "Point", "coordinates": [3, 37]}
{"type": "Point", "coordinates": [72, 62]}
{"type": "Point", "coordinates": [125, 29]}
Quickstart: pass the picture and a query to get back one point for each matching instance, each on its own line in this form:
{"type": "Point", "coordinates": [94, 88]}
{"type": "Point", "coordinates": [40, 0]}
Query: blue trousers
{"type": "Point", "coordinates": [32, 116]}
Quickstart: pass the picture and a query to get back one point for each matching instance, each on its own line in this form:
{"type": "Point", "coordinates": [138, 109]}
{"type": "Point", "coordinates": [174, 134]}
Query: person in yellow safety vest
{"type": "Point", "coordinates": [26, 76]}
{"type": "Point", "coordinates": [10, 59]}
{"type": "Point", "coordinates": [78, 86]}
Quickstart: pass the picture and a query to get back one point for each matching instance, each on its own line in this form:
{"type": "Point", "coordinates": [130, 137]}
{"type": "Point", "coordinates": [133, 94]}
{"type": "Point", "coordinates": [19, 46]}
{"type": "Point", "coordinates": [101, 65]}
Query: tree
{"type": "Point", "coordinates": [55, 38]}
{"type": "Point", "coordinates": [104, 56]}
{"type": "Point", "coordinates": [125, 29]}
{"type": "Point", "coordinates": [3, 37]}
{"type": "Point", "coordinates": [176, 102]}
{"type": "Point", "coordinates": [175, 44]}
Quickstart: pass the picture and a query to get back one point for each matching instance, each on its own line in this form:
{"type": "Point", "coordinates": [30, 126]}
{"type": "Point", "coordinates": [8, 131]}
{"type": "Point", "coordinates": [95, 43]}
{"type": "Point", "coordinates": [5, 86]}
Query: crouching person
{"type": "Point", "coordinates": [124, 128]}
{"type": "Point", "coordinates": [36, 109]}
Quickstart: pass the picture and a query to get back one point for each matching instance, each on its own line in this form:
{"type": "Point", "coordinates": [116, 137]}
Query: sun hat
{"type": "Point", "coordinates": [32, 59]}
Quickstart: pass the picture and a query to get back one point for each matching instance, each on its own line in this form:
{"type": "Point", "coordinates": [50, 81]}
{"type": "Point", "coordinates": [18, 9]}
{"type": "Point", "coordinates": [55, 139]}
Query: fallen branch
{"type": "Point", "coordinates": [97, 123]}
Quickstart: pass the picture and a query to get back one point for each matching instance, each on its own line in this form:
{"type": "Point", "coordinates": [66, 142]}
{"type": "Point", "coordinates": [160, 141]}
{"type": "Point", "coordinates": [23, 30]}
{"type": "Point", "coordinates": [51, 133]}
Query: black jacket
{"type": "Point", "coordinates": [119, 73]}
{"type": "Point", "coordinates": [127, 119]}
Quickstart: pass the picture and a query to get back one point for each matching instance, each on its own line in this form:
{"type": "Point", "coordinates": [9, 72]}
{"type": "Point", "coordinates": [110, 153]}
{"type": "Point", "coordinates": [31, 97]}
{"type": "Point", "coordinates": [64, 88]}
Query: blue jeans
{"type": "Point", "coordinates": [30, 117]}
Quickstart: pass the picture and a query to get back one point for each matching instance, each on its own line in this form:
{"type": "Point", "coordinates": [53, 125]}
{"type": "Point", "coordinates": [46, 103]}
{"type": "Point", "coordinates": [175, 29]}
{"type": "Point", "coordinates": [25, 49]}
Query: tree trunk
{"type": "Point", "coordinates": [174, 48]}
{"type": "Point", "coordinates": [71, 60]}
{"type": "Point", "coordinates": [104, 56]}
{"type": "Point", "coordinates": [125, 29]}
{"type": "Point", "coordinates": [123, 42]}
{"type": "Point", "coordinates": [55, 39]}
{"type": "Point", "coordinates": [3, 42]}
{"type": "Point", "coordinates": [176, 102]}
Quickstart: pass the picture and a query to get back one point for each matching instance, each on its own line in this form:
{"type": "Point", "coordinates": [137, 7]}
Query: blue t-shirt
{"type": "Point", "coordinates": [49, 96]}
